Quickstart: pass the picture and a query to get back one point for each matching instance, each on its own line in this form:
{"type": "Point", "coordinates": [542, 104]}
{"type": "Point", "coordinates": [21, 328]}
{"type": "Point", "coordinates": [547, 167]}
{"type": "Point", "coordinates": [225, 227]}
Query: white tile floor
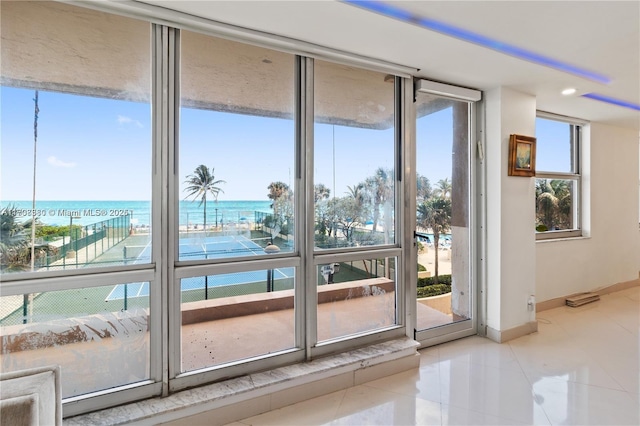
{"type": "Point", "coordinates": [582, 367]}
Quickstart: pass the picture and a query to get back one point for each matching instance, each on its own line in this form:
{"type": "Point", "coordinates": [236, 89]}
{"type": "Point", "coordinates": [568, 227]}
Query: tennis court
{"type": "Point", "coordinates": [204, 248]}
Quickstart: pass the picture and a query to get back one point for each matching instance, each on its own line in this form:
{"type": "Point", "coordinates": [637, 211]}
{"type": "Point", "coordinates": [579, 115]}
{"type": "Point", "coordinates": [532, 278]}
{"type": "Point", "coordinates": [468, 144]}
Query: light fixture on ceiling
{"type": "Point", "coordinates": [569, 91]}
{"type": "Point", "coordinates": [469, 36]}
{"type": "Point", "coordinates": [612, 101]}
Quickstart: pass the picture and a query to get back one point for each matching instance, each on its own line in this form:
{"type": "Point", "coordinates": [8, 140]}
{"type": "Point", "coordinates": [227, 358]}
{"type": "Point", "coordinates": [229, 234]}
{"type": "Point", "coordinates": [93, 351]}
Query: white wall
{"type": "Point", "coordinates": [511, 249]}
{"type": "Point", "coordinates": [612, 252]}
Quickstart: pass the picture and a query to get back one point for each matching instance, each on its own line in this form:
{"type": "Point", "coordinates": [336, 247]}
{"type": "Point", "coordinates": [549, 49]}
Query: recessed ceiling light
{"type": "Point", "coordinates": [569, 91]}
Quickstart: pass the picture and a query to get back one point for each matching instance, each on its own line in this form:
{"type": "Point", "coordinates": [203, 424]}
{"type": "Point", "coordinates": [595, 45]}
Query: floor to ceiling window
{"type": "Point", "coordinates": [236, 200]}
{"type": "Point", "coordinates": [355, 199]}
{"type": "Point", "coordinates": [76, 258]}
{"type": "Point", "coordinates": [178, 207]}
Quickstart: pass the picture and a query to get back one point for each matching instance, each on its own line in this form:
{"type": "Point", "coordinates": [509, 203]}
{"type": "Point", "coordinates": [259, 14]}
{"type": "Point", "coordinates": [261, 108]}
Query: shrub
{"type": "Point", "coordinates": [442, 279]}
{"type": "Point", "coordinates": [434, 290]}
{"type": "Point", "coordinates": [421, 268]}
{"type": "Point", "coordinates": [51, 232]}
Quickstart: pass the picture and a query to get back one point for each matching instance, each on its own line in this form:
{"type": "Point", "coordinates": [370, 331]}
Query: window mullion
{"type": "Point", "coordinates": [170, 290]}
{"type": "Point", "coordinates": [309, 285]}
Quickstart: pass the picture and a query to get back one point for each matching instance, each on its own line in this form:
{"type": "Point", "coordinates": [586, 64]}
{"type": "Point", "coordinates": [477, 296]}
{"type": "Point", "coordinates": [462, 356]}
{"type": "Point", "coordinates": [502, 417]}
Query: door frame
{"type": "Point", "coordinates": [472, 326]}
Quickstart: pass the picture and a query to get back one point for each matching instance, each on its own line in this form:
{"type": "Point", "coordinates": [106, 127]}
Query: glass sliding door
{"type": "Point", "coordinates": [445, 286]}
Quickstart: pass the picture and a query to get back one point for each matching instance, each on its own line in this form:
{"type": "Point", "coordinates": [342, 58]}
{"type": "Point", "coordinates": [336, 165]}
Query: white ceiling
{"type": "Point", "coordinates": [600, 36]}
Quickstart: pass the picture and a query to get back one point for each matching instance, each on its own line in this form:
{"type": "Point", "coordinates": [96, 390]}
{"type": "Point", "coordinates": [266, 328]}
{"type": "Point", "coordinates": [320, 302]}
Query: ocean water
{"type": "Point", "coordinates": [90, 212]}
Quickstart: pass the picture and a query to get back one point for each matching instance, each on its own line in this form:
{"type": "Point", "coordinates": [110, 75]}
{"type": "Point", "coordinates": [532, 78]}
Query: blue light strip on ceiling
{"type": "Point", "coordinates": [459, 33]}
{"type": "Point", "coordinates": [612, 101]}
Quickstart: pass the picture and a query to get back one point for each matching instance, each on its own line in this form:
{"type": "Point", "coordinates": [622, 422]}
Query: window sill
{"type": "Point", "coordinates": [265, 391]}
{"type": "Point", "coordinates": [561, 238]}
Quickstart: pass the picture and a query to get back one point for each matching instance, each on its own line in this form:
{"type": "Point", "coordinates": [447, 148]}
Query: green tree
{"type": "Point", "coordinates": [357, 192]}
{"type": "Point", "coordinates": [282, 197]}
{"type": "Point", "coordinates": [380, 186]}
{"type": "Point", "coordinates": [320, 195]}
{"type": "Point", "coordinates": [278, 191]}
{"type": "Point", "coordinates": [15, 242]}
{"type": "Point", "coordinates": [553, 204]}
{"type": "Point", "coordinates": [348, 215]}
{"type": "Point", "coordinates": [201, 183]}
{"type": "Point", "coordinates": [443, 188]}
{"type": "Point", "coordinates": [424, 189]}
{"type": "Point", "coordinates": [320, 192]}
{"type": "Point", "coordinates": [435, 213]}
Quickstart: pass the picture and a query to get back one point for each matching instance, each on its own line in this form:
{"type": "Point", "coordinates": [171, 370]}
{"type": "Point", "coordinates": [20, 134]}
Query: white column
{"type": "Point", "coordinates": [511, 254]}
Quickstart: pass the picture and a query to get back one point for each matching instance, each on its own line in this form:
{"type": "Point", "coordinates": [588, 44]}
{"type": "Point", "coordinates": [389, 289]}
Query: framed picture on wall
{"type": "Point", "coordinates": [522, 155]}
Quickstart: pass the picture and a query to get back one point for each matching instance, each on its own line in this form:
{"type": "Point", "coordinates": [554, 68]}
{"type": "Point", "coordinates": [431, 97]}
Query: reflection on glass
{"type": "Point", "coordinates": [355, 297]}
{"type": "Point", "coordinates": [236, 316]}
{"type": "Point", "coordinates": [554, 204]}
{"type": "Point", "coordinates": [75, 157]}
{"type": "Point", "coordinates": [236, 149]}
{"type": "Point", "coordinates": [554, 146]}
{"type": "Point", "coordinates": [442, 216]}
{"type": "Point", "coordinates": [354, 172]}
{"type": "Point", "coordinates": [99, 335]}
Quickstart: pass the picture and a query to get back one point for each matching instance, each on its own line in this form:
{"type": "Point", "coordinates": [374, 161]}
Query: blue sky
{"type": "Point", "coordinates": [553, 147]}
{"type": "Point", "coordinates": [100, 149]}
{"type": "Point", "coordinates": [88, 148]}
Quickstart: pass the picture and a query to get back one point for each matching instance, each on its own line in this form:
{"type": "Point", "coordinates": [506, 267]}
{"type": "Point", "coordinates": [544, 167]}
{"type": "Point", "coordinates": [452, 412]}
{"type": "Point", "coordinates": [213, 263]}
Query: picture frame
{"type": "Point", "coordinates": [522, 155]}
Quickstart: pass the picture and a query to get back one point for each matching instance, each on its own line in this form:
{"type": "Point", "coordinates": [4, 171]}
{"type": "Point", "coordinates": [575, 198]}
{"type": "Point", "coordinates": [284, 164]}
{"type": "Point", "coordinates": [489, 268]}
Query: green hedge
{"type": "Point", "coordinates": [421, 268]}
{"type": "Point", "coordinates": [442, 279]}
{"type": "Point", "coordinates": [52, 232]}
{"type": "Point", "coordinates": [434, 290]}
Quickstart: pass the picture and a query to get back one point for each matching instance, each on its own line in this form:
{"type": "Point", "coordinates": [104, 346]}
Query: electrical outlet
{"type": "Point", "coordinates": [531, 303]}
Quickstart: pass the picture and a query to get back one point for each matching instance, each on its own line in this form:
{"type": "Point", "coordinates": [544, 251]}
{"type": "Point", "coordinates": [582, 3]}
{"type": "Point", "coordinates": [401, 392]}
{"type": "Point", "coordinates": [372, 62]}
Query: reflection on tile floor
{"type": "Point", "coordinates": [581, 368]}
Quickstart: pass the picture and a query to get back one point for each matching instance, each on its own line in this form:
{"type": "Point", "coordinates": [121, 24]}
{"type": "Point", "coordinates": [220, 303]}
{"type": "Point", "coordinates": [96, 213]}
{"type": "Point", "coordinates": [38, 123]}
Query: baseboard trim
{"type": "Point", "coordinates": [512, 333]}
{"type": "Point", "coordinates": [561, 301]}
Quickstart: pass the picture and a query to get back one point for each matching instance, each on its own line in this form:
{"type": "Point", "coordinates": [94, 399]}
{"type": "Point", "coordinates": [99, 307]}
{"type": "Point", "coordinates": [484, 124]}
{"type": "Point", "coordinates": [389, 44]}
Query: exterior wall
{"type": "Point", "coordinates": [611, 252]}
{"type": "Point", "coordinates": [460, 272]}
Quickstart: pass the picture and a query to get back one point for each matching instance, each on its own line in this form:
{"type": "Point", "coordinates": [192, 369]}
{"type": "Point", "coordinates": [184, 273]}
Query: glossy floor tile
{"type": "Point", "coordinates": [580, 368]}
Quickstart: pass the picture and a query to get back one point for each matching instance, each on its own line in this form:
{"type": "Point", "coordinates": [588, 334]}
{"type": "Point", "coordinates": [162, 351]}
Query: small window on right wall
{"type": "Point", "coordinates": [558, 177]}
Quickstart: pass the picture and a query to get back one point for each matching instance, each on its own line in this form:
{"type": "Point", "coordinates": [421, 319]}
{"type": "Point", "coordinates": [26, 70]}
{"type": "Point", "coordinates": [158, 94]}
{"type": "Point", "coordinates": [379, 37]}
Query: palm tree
{"type": "Point", "coordinates": [15, 251]}
{"type": "Point", "coordinates": [424, 190]}
{"type": "Point", "coordinates": [380, 187]}
{"type": "Point", "coordinates": [443, 188]}
{"type": "Point", "coordinates": [282, 207]}
{"type": "Point", "coordinates": [435, 213]}
{"type": "Point", "coordinates": [201, 183]}
{"type": "Point", "coordinates": [278, 191]}
{"type": "Point", "coordinates": [357, 192]}
{"type": "Point", "coordinates": [320, 192]}
{"type": "Point", "coordinates": [553, 203]}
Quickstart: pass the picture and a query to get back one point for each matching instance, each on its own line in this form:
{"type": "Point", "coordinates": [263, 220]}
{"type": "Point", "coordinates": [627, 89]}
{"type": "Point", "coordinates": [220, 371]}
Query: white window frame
{"type": "Point", "coordinates": [575, 175]}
